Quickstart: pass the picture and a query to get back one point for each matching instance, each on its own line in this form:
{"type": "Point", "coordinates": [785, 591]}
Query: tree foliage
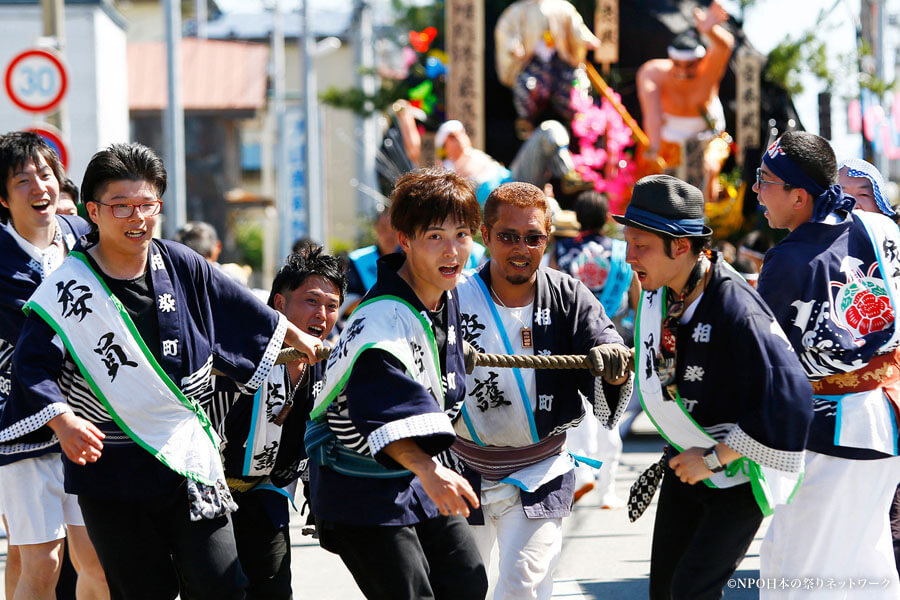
{"type": "Point", "coordinates": [410, 17]}
{"type": "Point", "coordinates": [808, 53]}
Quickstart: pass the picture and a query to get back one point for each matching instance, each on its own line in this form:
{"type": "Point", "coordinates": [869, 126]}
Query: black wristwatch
{"type": "Point", "coordinates": [711, 460]}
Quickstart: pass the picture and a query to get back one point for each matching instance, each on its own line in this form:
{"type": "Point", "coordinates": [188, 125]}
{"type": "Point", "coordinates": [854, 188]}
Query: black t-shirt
{"type": "Point", "coordinates": [127, 472]}
{"type": "Point", "coordinates": [136, 295]}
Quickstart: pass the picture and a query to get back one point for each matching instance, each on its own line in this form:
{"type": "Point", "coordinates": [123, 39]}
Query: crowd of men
{"type": "Point", "coordinates": [148, 421]}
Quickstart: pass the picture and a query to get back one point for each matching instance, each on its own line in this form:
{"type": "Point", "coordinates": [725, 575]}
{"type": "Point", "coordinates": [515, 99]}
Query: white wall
{"type": "Point", "coordinates": [97, 97]}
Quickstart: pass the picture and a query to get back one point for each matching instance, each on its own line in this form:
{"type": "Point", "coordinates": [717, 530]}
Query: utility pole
{"type": "Point", "coordinates": [314, 192]}
{"type": "Point", "coordinates": [871, 32]}
{"type": "Point", "coordinates": [366, 127]}
{"type": "Point", "coordinates": [175, 209]}
{"type": "Point", "coordinates": [54, 26]}
{"type": "Point", "coordinates": [283, 201]}
{"type": "Point", "coordinates": [201, 17]}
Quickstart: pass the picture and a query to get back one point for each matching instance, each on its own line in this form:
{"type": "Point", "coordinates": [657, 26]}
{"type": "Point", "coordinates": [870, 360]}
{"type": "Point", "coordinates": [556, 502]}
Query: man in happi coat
{"type": "Point", "coordinates": [114, 361]}
{"type": "Point", "coordinates": [719, 380]}
{"type": "Point", "coordinates": [34, 240]}
{"type": "Point", "coordinates": [393, 384]}
{"type": "Point", "coordinates": [833, 286]}
{"type": "Point", "coordinates": [262, 433]}
{"type": "Point", "coordinates": [511, 433]}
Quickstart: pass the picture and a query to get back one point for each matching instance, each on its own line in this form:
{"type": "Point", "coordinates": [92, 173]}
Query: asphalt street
{"type": "Point", "coordinates": [604, 556]}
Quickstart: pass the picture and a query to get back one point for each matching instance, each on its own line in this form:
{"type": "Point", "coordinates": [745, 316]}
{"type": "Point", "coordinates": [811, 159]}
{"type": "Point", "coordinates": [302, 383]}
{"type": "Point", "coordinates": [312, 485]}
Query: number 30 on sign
{"type": "Point", "coordinates": [36, 80]}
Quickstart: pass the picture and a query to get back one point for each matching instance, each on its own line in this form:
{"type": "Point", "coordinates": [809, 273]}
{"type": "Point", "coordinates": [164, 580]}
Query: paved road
{"type": "Point", "coordinates": [604, 555]}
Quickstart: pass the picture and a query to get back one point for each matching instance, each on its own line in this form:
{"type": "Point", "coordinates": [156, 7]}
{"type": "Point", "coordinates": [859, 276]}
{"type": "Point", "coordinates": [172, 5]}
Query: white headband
{"type": "Point", "coordinates": [685, 54]}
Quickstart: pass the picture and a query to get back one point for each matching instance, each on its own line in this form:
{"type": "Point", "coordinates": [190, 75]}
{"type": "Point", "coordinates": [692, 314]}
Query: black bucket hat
{"type": "Point", "coordinates": [666, 205]}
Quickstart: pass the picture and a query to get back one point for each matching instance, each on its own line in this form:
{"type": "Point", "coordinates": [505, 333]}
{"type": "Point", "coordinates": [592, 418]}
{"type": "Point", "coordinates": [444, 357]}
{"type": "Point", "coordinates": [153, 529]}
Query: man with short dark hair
{"type": "Point", "coordinates": [68, 198]}
{"type": "Point", "coordinates": [721, 385]}
{"type": "Point", "coordinates": [833, 284]}
{"type": "Point", "coordinates": [511, 437]}
{"type": "Point", "coordinates": [393, 385]}
{"type": "Point", "coordinates": [34, 240]}
{"type": "Point", "coordinates": [201, 237]}
{"type": "Point", "coordinates": [115, 358]}
{"type": "Point", "coordinates": [262, 434]}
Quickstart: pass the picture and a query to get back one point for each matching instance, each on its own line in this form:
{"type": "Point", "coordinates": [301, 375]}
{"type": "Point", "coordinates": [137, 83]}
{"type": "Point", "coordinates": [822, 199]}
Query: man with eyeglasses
{"type": "Point", "coordinates": [721, 384]}
{"type": "Point", "coordinates": [679, 98]}
{"type": "Point", "coordinates": [34, 240]}
{"type": "Point", "coordinates": [511, 437]}
{"type": "Point", "coordinates": [114, 361]}
{"type": "Point", "coordinates": [833, 283]}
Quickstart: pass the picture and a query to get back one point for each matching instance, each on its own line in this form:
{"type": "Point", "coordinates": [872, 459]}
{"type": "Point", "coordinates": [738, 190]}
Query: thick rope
{"type": "Point", "coordinates": [509, 361]}
{"type": "Point", "coordinates": [474, 359]}
{"type": "Point", "coordinates": [533, 361]}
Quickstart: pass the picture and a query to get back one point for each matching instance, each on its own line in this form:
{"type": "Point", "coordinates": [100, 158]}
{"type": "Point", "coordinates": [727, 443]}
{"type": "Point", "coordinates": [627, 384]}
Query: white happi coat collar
{"type": "Point", "coordinates": [46, 260]}
{"type": "Point", "coordinates": [675, 424]}
{"type": "Point", "coordinates": [386, 323]}
{"type": "Point", "coordinates": [124, 375]}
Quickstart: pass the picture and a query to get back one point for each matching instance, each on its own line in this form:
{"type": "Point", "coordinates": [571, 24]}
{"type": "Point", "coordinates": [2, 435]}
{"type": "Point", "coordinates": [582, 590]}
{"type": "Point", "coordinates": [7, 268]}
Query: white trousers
{"type": "Point", "coordinates": [529, 549]}
{"type": "Point", "coordinates": [833, 541]}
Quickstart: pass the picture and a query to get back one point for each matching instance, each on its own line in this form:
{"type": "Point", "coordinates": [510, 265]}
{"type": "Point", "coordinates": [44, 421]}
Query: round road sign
{"type": "Point", "coordinates": [36, 80]}
{"type": "Point", "coordinates": [53, 137]}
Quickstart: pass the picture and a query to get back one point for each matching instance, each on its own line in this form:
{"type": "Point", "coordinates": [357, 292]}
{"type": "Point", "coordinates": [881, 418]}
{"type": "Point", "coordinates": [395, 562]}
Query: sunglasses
{"type": "Point", "coordinates": [532, 240]}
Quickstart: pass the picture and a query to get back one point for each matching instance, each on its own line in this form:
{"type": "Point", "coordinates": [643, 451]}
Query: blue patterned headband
{"type": "Point", "coordinates": [825, 201]}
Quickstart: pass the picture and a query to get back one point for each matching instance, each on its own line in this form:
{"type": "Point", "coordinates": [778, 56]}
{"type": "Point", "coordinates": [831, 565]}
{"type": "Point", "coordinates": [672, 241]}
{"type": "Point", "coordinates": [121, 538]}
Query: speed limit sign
{"type": "Point", "coordinates": [36, 80]}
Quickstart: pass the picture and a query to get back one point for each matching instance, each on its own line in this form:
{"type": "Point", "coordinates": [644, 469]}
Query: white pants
{"type": "Point", "coordinates": [36, 506]}
{"type": "Point", "coordinates": [529, 549]}
{"type": "Point", "coordinates": [834, 537]}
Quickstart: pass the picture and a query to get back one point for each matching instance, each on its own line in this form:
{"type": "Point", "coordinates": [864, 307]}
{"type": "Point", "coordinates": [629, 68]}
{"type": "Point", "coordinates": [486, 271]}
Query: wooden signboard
{"type": "Point", "coordinates": [465, 48]}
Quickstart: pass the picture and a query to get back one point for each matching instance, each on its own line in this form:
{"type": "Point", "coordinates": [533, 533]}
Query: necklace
{"type": "Point", "coordinates": [292, 389]}
{"type": "Point", "coordinates": [525, 332]}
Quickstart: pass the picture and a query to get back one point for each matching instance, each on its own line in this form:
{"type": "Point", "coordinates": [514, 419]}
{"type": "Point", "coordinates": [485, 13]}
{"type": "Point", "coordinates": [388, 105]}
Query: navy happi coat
{"type": "Point", "coordinates": [19, 277]}
{"type": "Point", "coordinates": [204, 319]}
{"type": "Point", "coordinates": [738, 376]}
{"type": "Point", "coordinates": [823, 283]}
{"type": "Point", "coordinates": [379, 391]}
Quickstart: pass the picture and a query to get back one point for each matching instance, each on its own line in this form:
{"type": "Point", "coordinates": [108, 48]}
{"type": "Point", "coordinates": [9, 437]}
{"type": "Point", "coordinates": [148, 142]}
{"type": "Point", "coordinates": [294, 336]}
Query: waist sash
{"type": "Point", "coordinates": [386, 323]}
{"type": "Point", "coordinates": [323, 447]}
{"type": "Point", "coordinates": [677, 426]}
{"type": "Point", "coordinates": [498, 462]}
{"type": "Point", "coordinates": [124, 375]}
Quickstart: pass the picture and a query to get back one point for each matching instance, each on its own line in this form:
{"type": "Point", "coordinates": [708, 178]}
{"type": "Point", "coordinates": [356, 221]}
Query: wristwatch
{"type": "Point", "coordinates": [711, 460]}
